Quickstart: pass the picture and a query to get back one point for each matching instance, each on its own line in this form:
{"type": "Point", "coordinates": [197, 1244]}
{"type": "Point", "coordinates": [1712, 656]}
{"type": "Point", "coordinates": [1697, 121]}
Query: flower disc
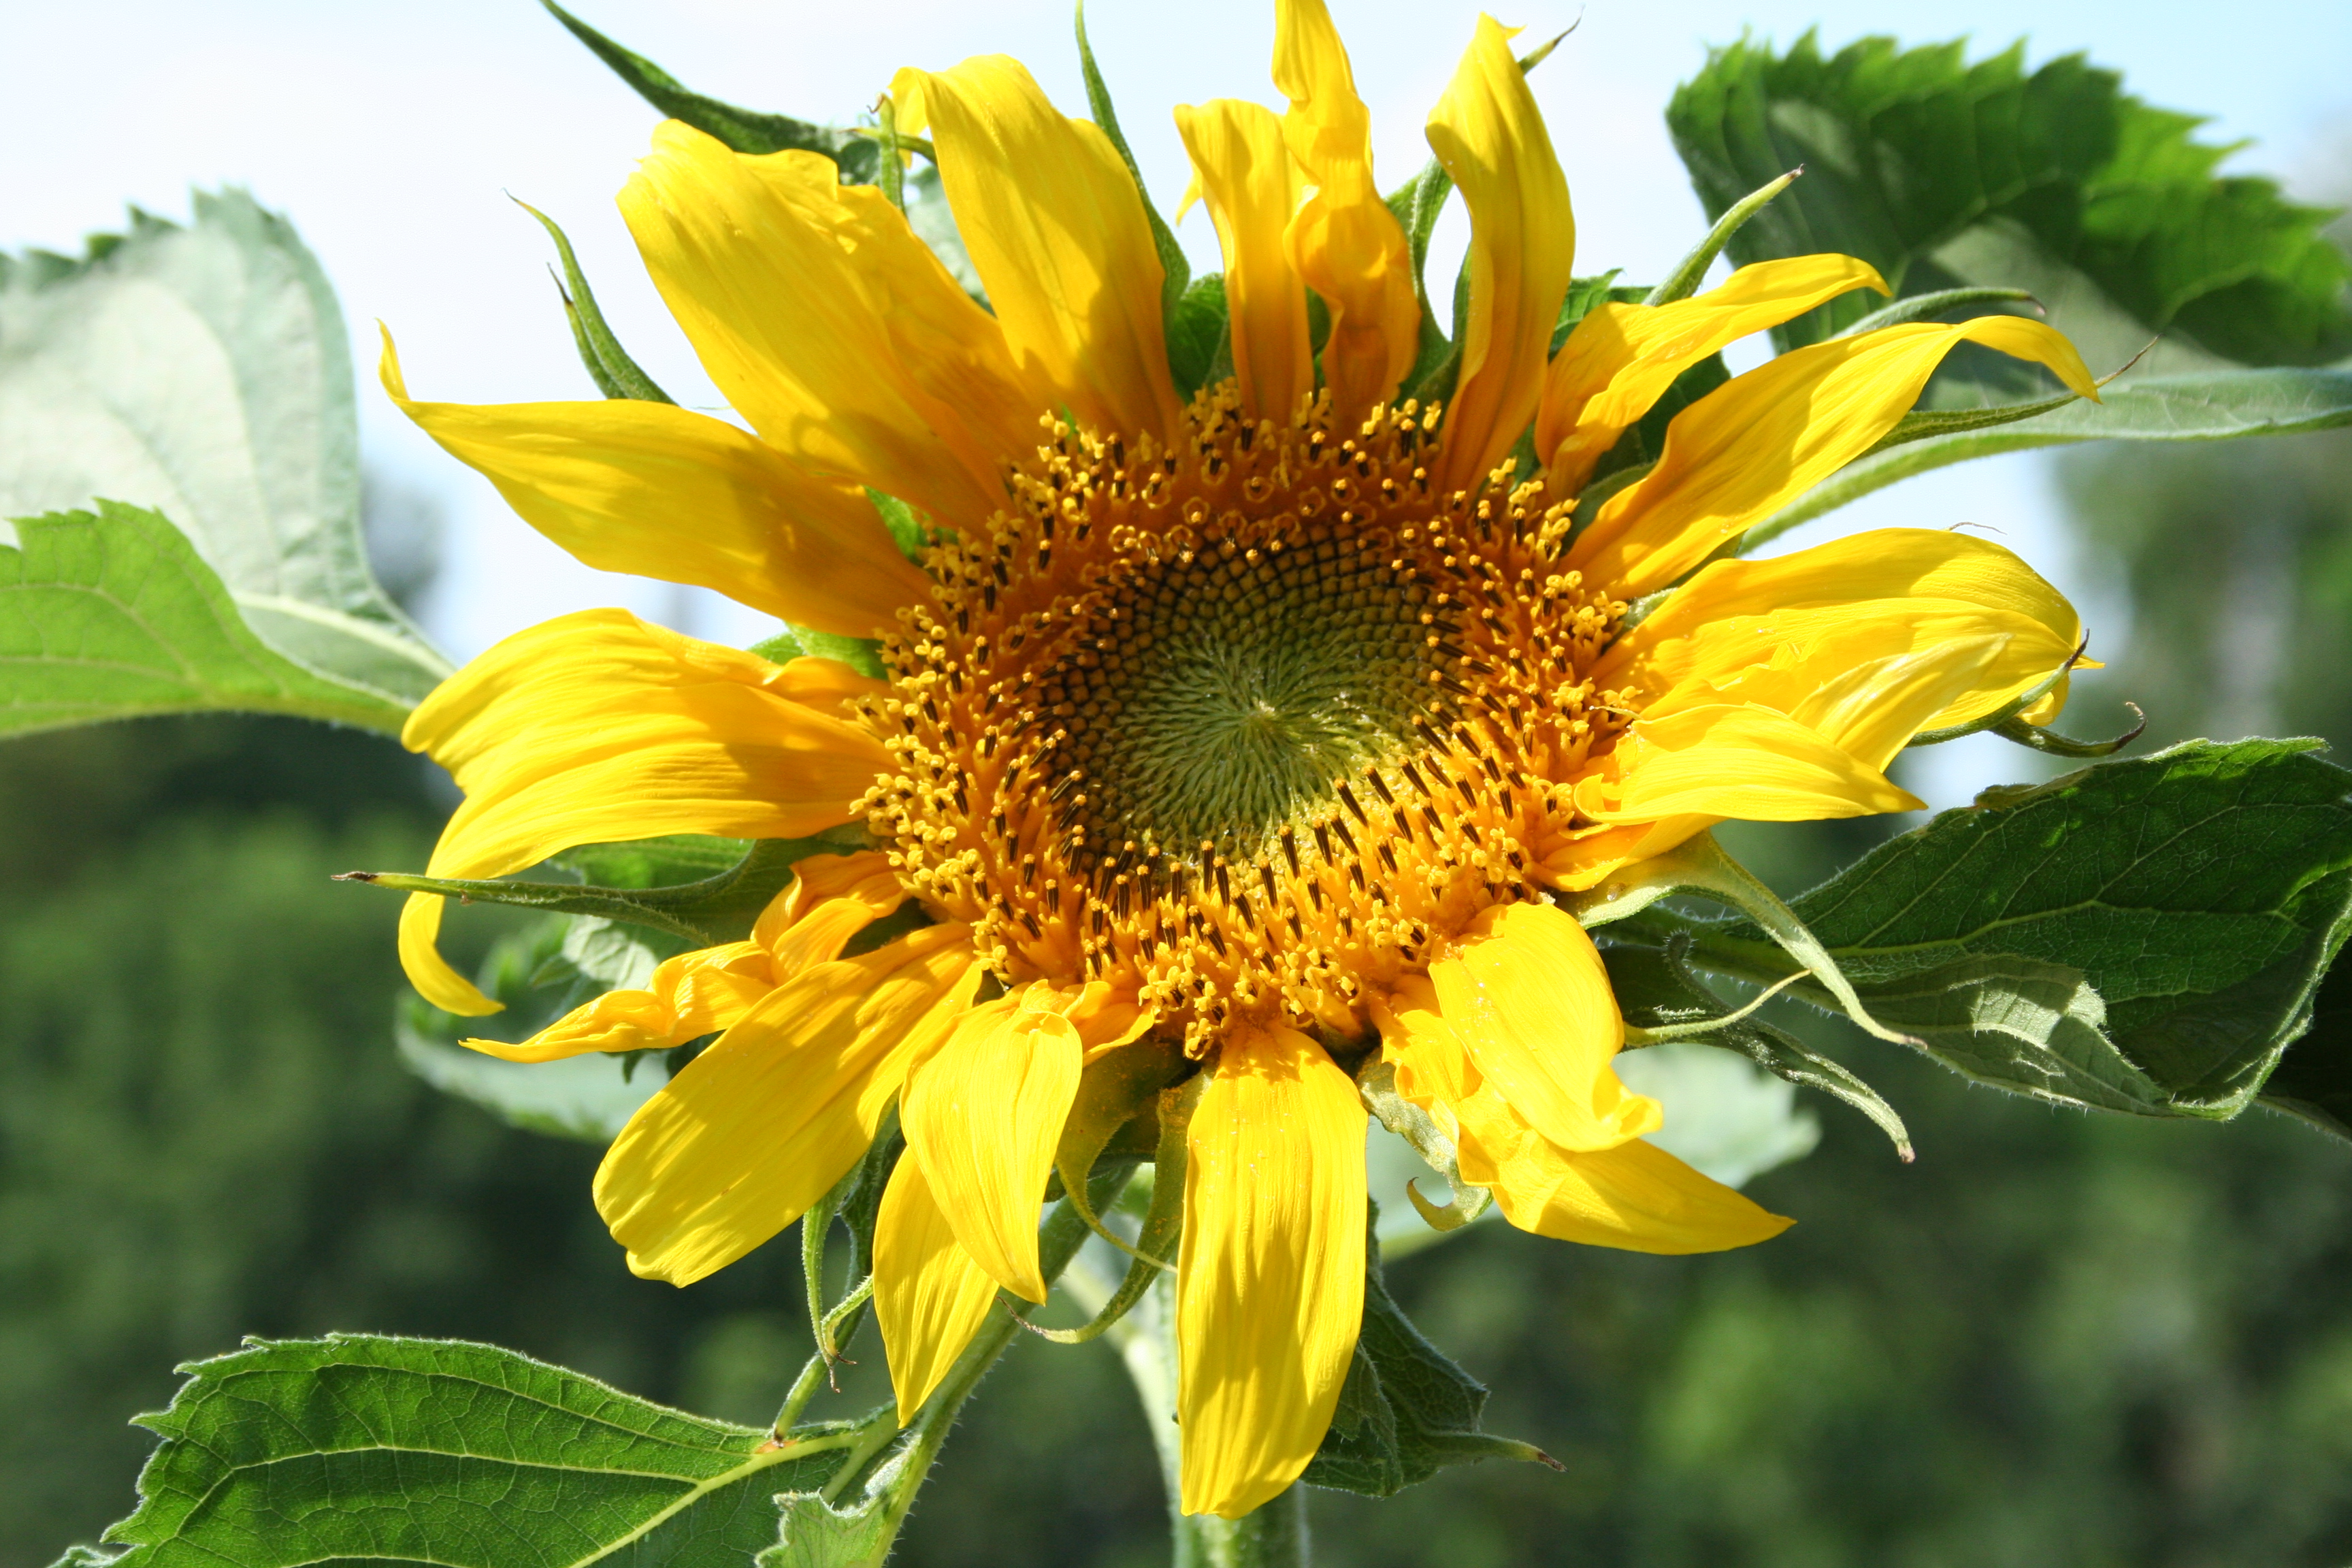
{"type": "Point", "coordinates": [1242, 727]}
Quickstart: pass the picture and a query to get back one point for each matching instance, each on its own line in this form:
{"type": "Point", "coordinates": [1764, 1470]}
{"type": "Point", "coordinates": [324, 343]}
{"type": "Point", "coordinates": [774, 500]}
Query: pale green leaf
{"type": "Point", "coordinates": [204, 372]}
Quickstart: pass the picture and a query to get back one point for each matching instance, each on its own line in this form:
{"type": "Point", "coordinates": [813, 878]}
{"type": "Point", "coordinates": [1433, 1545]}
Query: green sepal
{"type": "Point", "coordinates": [907, 529]}
{"type": "Point", "coordinates": [744, 129]}
{"type": "Point", "coordinates": [2211, 407]}
{"type": "Point", "coordinates": [1405, 1412]}
{"type": "Point", "coordinates": [1656, 989]}
{"type": "Point", "coordinates": [1418, 203]}
{"type": "Point", "coordinates": [1176, 271]}
{"type": "Point", "coordinates": [1684, 280]}
{"type": "Point", "coordinates": [1201, 336]}
{"type": "Point", "coordinates": [707, 913]}
{"type": "Point", "coordinates": [1919, 307]}
{"type": "Point", "coordinates": [1376, 1085]}
{"type": "Point", "coordinates": [863, 655]}
{"type": "Point", "coordinates": [2050, 743]}
{"type": "Point", "coordinates": [1153, 1253]}
{"type": "Point", "coordinates": [608, 364]}
{"type": "Point", "coordinates": [1699, 865]}
{"type": "Point", "coordinates": [1120, 1088]}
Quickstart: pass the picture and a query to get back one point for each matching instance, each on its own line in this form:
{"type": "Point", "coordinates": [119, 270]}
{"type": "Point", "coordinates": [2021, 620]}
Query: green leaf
{"type": "Point", "coordinates": [654, 862]}
{"type": "Point", "coordinates": [1943, 173]}
{"type": "Point", "coordinates": [863, 655]}
{"type": "Point", "coordinates": [540, 974]}
{"type": "Point", "coordinates": [112, 614]}
{"type": "Point", "coordinates": [2144, 935]}
{"type": "Point", "coordinates": [204, 372]}
{"type": "Point", "coordinates": [705, 912]}
{"type": "Point", "coordinates": [362, 1450]}
{"type": "Point", "coordinates": [744, 129]}
{"type": "Point", "coordinates": [2314, 1079]}
{"type": "Point", "coordinates": [1405, 1412]}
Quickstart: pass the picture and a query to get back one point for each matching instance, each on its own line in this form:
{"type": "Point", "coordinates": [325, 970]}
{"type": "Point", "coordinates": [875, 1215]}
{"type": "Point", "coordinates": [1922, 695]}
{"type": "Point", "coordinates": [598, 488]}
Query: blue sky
{"type": "Point", "coordinates": [389, 134]}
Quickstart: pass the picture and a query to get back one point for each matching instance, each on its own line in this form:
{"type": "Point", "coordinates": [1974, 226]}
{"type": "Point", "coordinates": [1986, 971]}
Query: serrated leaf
{"type": "Point", "coordinates": [2200, 894]}
{"type": "Point", "coordinates": [204, 372]}
{"type": "Point", "coordinates": [744, 129]}
{"type": "Point", "coordinates": [362, 1450]}
{"type": "Point", "coordinates": [112, 614]}
{"type": "Point", "coordinates": [1941, 173]}
{"type": "Point", "coordinates": [818, 1535]}
{"type": "Point", "coordinates": [1405, 1412]}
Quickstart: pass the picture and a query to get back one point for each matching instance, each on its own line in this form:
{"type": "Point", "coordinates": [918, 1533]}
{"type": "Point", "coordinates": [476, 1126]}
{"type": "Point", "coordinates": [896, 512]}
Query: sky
{"type": "Point", "coordinates": [394, 136]}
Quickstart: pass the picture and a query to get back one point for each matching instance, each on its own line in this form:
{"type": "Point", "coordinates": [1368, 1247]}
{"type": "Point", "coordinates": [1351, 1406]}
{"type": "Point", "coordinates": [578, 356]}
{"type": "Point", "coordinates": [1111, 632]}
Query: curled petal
{"type": "Point", "coordinates": [1620, 359]}
{"type": "Point", "coordinates": [1244, 170]}
{"type": "Point", "coordinates": [1489, 135]}
{"type": "Point", "coordinates": [1344, 241]}
{"type": "Point", "coordinates": [597, 727]}
{"type": "Point", "coordinates": [1056, 231]}
{"type": "Point", "coordinates": [1751, 446]}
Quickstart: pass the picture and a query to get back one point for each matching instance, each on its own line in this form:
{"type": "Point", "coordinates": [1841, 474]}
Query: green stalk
{"type": "Point", "coordinates": [1274, 1536]}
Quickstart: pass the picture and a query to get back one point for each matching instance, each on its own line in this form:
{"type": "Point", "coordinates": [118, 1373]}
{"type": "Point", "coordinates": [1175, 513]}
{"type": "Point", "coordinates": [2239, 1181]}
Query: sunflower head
{"type": "Point", "coordinates": [1260, 736]}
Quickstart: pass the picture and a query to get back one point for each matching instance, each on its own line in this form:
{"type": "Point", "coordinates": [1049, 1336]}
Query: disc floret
{"type": "Point", "coordinates": [1246, 728]}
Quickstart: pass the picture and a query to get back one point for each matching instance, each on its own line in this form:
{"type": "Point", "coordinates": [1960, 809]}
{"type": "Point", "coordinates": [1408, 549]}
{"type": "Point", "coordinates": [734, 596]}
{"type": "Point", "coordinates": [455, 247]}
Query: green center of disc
{"type": "Point", "coordinates": [1216, 699]}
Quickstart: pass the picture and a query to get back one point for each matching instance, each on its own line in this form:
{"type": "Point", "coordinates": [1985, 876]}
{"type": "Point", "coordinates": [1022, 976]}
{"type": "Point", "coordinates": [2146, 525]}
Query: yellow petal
{"type": "Point", "coordinates": [829, 325]}
{"type": "Point", "coordinates": [1620, 359]}
{"type": "Point", "coordinates": [759, 1126]}
{"type": "Point", "coordinates": [983, 1113]}
{"type": "Point", "coordinates": [1526, 996]}
{"type": "Point", "coordinates": [830, 899]}
{"type": "Point", "coordinates": [1750, 448]}
{"type": "Point", "coordinates": [1489, 135]}
{"type": "Point", "coordinates": [596, 727]}
{"type": "Point", "coordinates": [929, 1297]}
{"type": "Point", "coordinates": [1749, 763]}
{"type": "Point", "coordinates": [1914, 588]}
{"type": "Point", "coordinates": [689, 995]}
{"type": "Point", "coordinates": [1636, 1196]}
{"type": "Point", "coordinates": [1270, 1282]}
{"type": "Point", "coordinates": [670, 494]}
{"type": "Point", "coordinates": [1242, 168]}
{"type": "Point", "coordinates": [1344, 241]}
{"type": "Point", "coordinates": [1056, 227]}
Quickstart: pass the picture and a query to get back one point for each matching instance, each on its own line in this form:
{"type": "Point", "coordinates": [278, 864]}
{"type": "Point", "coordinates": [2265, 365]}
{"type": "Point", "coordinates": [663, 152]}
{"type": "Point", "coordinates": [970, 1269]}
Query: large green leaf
{"type": "Point", "coordinates": [1941, 173]}
{"type": "Point", "coordinates": [2144, 935]}
{"type": "Point", "coordinates": [112, 614]}
{"type": "Point", "coordinates": [356, 1449]}
{"type": "Point", "coordinates": [204, 372]}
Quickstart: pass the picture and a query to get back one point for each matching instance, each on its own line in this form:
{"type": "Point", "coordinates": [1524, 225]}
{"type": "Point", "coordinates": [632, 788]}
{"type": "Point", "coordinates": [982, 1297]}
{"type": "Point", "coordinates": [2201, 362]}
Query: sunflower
{"type": "Point", "coordinates": [1260, 731]}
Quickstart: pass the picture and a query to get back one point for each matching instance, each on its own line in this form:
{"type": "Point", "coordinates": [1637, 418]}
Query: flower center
{"type": "Point", "coordinates": [1218, 693]}
{"type": "Point", "coordinates": [1245, 727]}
